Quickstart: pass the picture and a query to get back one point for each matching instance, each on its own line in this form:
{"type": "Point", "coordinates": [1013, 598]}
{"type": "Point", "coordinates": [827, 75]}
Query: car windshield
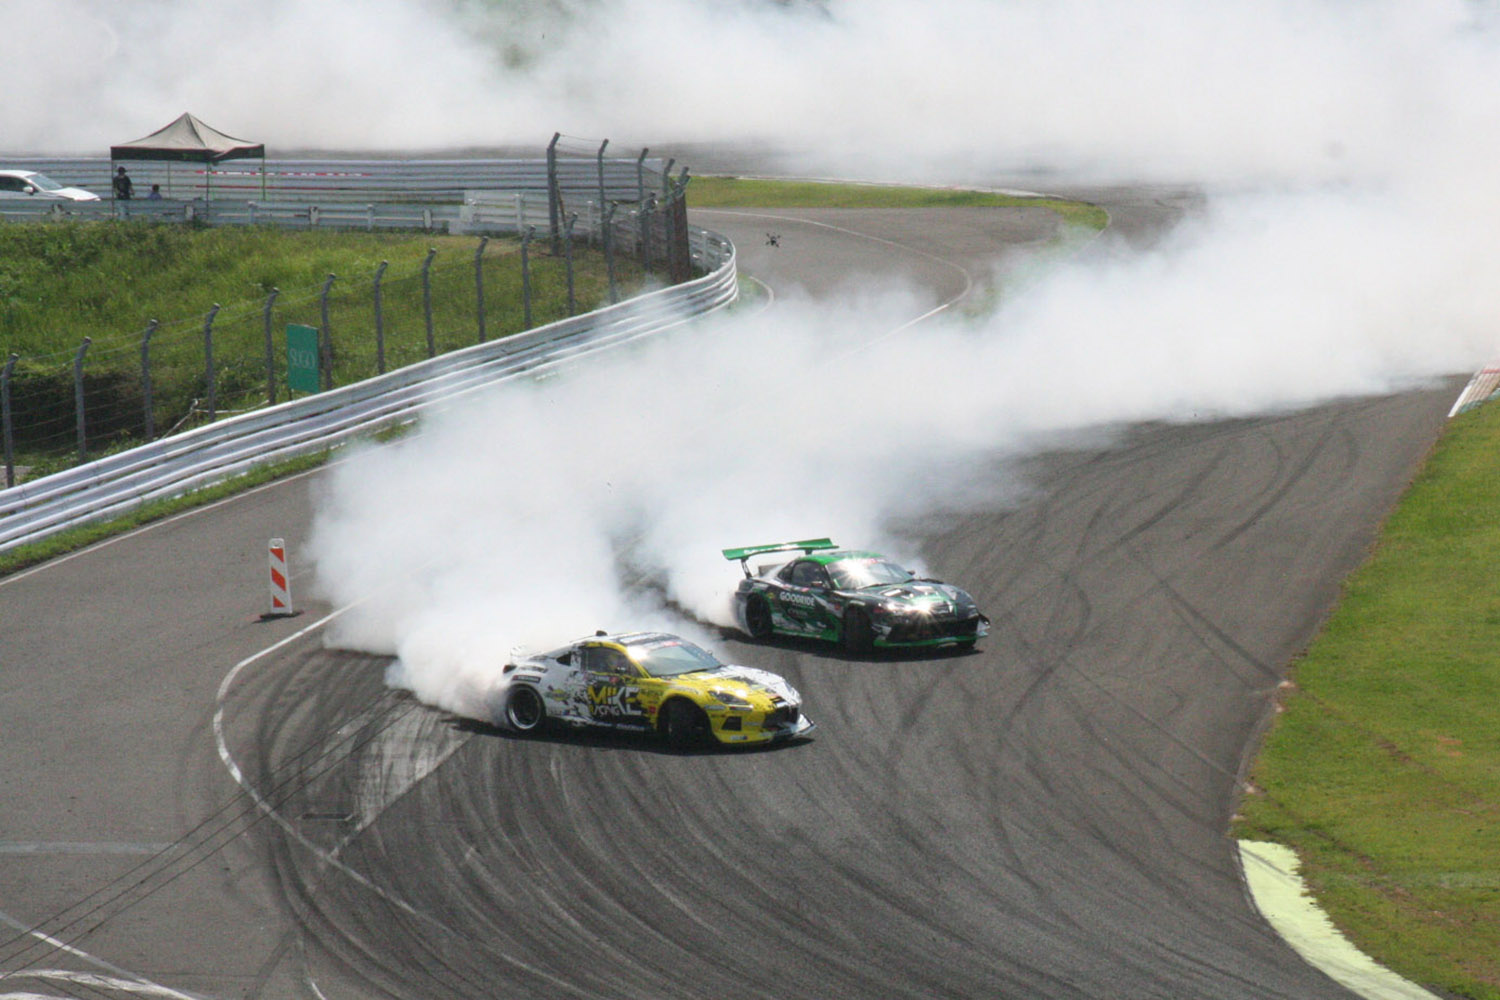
{"type": "Point", "coordinates": [44, 182]}
{"type": "Point", "coordinates": [670, 657]}
{"type": "Point", "coordinates": [873, 571]}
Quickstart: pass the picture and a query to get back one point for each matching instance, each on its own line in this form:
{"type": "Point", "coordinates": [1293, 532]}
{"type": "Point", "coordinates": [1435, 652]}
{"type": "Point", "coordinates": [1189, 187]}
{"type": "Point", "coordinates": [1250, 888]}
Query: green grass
{"type": "Point", "coordinates": [741, 192]}
{"type": "Point", "coordinates": [1383, 768]}
{"type": "Point", "coordinates": [60, 283]}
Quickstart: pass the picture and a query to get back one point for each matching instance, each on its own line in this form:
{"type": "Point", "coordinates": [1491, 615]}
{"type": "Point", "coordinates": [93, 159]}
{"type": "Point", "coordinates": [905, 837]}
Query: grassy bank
{"type": "Point", "coordinates": [63, 282]}
{"type": "Point", "coordinates": [742, 192]}
{"type": "Point", "coordinates": [1383, 768]}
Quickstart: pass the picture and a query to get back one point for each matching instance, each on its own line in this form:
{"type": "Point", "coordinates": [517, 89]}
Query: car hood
{"type": "Point", "coordinates": [919, 593]}
{"type": "Point", "coordinates": [740, 680]}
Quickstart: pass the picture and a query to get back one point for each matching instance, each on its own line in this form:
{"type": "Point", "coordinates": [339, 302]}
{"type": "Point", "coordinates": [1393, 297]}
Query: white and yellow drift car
{"type": "Point", "coordinates": [650, 682]}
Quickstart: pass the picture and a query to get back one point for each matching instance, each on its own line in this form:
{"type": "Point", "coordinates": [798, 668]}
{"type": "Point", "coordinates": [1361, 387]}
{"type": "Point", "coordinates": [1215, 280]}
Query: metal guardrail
{"type": "Point", "coordinates": [172, 466]}
{"type": "Point", "coordinates": [349, 180]}
{"type": "Point", "coordinates": [481, 211]}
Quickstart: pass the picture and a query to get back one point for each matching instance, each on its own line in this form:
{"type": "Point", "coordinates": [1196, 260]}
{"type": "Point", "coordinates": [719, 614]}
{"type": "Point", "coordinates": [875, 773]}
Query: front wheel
{"type": "Point", "coordinates": [684, 725]}
{"type": "Point", "coordinates": [524, 711]}
{"type": "Point", "coordinates": [859, 634]}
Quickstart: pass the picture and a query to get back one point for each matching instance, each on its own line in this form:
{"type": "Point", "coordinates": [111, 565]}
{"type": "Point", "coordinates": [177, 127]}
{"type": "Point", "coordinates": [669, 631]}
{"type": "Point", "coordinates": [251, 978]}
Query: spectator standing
{"type": "Point", "coordinates": [124, 189]}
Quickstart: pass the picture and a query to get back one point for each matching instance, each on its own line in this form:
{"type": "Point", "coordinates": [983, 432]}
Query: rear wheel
{"type": "Point", "coordinates": [859, 634]}
{"type": "Point", "coordinates": [524, 711]}
{"type": "Point", "coordinates": [758, 617]}
{"type": "Point", "coordinates": [683, 724]}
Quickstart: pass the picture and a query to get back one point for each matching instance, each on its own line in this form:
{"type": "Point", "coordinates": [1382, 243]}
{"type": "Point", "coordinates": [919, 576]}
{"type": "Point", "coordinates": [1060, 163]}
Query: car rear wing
{"type": "Point", "coordinates": [806, 545]}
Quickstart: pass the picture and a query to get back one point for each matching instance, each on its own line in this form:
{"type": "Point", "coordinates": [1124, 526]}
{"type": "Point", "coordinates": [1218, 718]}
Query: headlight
{"type": "Point", "coordinates": [730, 700]}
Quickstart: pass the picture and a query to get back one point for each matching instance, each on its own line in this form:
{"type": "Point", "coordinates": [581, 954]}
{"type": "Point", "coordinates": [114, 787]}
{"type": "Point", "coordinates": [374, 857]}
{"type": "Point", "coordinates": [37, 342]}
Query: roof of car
{"type": "Point", "coordinates": [839, 555]}
{"type": "Point", "coordinates": [632, 638]}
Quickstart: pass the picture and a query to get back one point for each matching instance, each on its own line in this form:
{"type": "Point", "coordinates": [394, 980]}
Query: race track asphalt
{"type": "Point", "coordinates": [1043, 818]}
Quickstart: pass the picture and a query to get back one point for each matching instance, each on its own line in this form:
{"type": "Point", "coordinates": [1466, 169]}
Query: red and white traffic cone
{"type": "Point", "coordinates": [281, 587]}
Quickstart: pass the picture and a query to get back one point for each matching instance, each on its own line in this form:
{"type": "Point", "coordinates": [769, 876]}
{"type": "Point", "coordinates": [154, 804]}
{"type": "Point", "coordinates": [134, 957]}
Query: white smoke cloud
{"type": "Point", "coordinates": [1348, 148]}
{"type": "Point", "coordinates": [539, 504]}
{"type": "Point", "coordinates": [1162, 89]}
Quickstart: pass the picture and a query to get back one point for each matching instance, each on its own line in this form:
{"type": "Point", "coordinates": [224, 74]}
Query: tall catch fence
{"type": "Point", "coordinates": [521, 270]}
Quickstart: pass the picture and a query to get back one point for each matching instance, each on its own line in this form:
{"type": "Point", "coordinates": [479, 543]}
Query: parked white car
{"type": "Point", "coordinates": [30, 184]}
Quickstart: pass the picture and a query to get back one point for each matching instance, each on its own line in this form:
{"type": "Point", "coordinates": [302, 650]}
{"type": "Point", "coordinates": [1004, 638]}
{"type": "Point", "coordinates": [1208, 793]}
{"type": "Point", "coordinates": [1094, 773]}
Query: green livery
{"type": "Point", "coordinates": [861, 600]}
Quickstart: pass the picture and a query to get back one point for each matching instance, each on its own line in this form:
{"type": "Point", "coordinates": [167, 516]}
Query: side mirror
{"type": "Point", "coordinates": [30, 189]}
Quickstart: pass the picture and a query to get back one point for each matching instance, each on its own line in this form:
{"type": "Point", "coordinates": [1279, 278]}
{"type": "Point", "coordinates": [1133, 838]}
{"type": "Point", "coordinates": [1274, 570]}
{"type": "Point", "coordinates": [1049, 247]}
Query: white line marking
{"type": "Point", "coordinates": [140, 981]}
{"type": "Point", "coordinates": [1281, 897]}
{"type": "Point", "coordinates": [92, 980]}
{"type": "Point", "coordinates": [71, 847]}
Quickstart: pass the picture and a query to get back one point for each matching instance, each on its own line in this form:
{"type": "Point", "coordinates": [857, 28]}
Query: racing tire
{"type": "Point", "coordinates": [524, 711]}
{"type": "Point", "coordinates": [683, 725]}
{"type": "Point", "coordinates": [859, 634]}
{"type": "Point", "coordinates": [758, 617]}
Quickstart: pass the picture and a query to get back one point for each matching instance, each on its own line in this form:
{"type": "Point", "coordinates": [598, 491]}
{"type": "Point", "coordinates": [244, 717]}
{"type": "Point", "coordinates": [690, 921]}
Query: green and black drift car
{"type": "Point", "coordinates": [861, 600]}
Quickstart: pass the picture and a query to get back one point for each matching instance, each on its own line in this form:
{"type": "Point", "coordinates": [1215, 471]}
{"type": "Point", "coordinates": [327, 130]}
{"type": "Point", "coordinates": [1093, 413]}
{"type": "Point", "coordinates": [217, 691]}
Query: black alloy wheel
{"type": "Point", "coordinates": [758, 617]}
{"type": "Point", "coordinates": [684, 725]}
{"type": "Point", "coordinates": [859, 634]}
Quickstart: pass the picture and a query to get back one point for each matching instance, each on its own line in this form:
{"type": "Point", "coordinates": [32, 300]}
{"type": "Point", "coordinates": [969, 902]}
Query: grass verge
{"type": "Point", "coordinates": [23, 556]}
{"type": "Point", "coordinates": [1382, 769]}
{"type": "Point", "coordinates": [744, 192]}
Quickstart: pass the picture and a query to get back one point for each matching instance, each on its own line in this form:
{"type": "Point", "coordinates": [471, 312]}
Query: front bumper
{"type": "Point", "coordinates": [915, 631]}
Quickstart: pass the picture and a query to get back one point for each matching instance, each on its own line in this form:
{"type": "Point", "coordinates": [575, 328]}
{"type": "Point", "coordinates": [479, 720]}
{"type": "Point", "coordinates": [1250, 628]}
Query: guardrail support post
{"type": "Point", "coordinates": [150, 413]}
{"type": "Point", "coordinates": [427, 300]}
{"type": "Point", "coordinates": [379, 322]}
{"type": "Point", "coordinates": [325, 339]}
{"type": "Point", "coordinates": [270, 348]}
{"type": "Point", "coordinates": [78, 408]}
{"type": "Point", "coordinates": [208, 364]}
{"type": "Point", "coordinates": [5, 425]}
{"type": "Point", "coordinates": [526, 273]}
{"type": "Point", "coordinates": [479, 283]}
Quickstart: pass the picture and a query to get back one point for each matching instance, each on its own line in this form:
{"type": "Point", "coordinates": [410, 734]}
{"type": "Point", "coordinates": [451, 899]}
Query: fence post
{"type": "Point", "coordinates": [427, 299]}
{"type": "Point", "coordinates": [479, 282]}
{"type": "Point", "coordinates": [5, 425]}
{"type": "Point", "coordinates": [609, 252]}
{"type": "Point", "coordinates": [602, 197]}
{"type": "Point", "coordinates": [83, 450]}
{"type": "Point", "coordinates": [270, 349]}
{"type": "Point", "coordinates": [572, 299]}
{"type": "Point", "coordinates": [647, 208]}
{"type": "Point", "coordinates": [208, 363]}
{"type": "Point", "coordinates": [666, 179]}
{"type": "Point", "coordinates": [640, 205]}
{"type": "Point", "coordinates": [554, 196]}
{"type": "Point", "coordinates": [526, 273]}
{"type": "Point", "coordinates": [146, 380]}
{"type": "Point", "coordinates": [379, 322]}
{"type": "Point", "coordinates": [325, 341]}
